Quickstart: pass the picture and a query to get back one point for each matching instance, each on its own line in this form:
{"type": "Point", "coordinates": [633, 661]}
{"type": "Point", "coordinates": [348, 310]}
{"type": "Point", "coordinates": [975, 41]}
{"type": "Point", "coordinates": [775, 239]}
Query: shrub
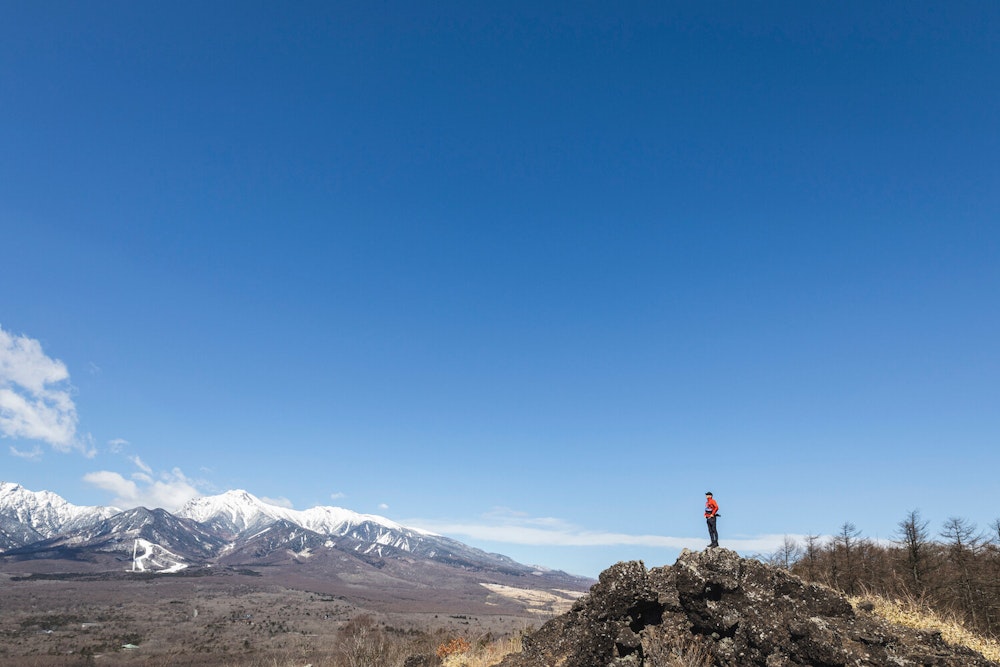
{"type": "Point", "coordinates": [458, 645]}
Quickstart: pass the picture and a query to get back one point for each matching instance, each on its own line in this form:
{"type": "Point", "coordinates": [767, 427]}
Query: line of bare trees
{"type": "Point", "coordinates": [956, 572]}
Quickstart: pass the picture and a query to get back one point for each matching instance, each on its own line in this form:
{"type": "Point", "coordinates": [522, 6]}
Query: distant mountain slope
{"type": "Point", "coordinates": [232, 513]}
{"type": "Point", "coordinates": [14, 534]}
{"type": "Point", "coordinates": [29, 516]}
{"type": "Point", "coordinates": [237, 529]}
{"type": "Point", "coordinates": [241, 516]}
{"type": "Point", "coordinates": [238, 512]}
{"type": "Point", "coordinates": [132, 535]}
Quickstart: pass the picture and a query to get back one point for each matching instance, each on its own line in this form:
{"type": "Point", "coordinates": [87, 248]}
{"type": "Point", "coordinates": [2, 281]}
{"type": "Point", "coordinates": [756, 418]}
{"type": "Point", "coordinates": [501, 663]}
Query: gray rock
{"type": "Point", "coordinates": [726, 611]}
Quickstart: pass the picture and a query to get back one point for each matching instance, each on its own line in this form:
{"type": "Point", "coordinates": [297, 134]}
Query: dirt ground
{"type": "Point", "coordinates": [231, 619]}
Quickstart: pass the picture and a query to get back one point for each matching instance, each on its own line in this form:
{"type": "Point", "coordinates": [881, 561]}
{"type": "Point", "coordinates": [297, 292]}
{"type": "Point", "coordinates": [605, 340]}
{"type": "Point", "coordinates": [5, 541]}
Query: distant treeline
{"type": "Point", "coordinates": [955, 572]}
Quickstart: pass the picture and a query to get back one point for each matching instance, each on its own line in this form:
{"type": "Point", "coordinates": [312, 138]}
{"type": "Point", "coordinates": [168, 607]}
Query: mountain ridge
{"type": "Point", "coordinates": [27, 515]}
{"type": "Point", "coordinates": [235, 529]}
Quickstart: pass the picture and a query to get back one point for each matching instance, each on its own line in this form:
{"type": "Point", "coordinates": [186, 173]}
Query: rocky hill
{"type": "Point", "coordinates": [715, 608]}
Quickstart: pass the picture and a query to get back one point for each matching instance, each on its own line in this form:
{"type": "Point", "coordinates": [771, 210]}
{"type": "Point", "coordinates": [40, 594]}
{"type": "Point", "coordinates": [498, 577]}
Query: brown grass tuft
{"type": "Point", "coordinates": [911, 614]}
{"type": "Point", "coordinates": [482, 653]}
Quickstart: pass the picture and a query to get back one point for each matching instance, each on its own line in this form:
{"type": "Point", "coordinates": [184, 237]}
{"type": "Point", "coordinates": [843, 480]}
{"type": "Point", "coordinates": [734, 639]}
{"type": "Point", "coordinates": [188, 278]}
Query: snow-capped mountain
{"type": "Point", "coordinates": [237, 513]}
{"type": "Point", "coordinates": [28, 516]}
{"type": "Point", "coordinates": [280, 542]}
{"type": "Point", "coordinates": [151, 540]}
{"type": "Point", "coordinates": [242, 516]}
{"type": "Point", "coordinates": [231, 513]}
{"type": "Point", "coordinates": [157, 526]}
{"type": "Point", "coordinates": [233, 529]}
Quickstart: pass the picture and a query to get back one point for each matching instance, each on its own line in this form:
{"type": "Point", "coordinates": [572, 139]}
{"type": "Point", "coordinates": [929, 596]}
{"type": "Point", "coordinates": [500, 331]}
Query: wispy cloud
{"type": "Point", "coordinates": [118, 445]}
{"type": "Point", "coordinates": [509, 527]}
{"type": "Point", "coordinates": [35, 395]}
{"type": "Point", "coordinates": [280, 501]}
{"type": "Point", "coordinates": [140, 464]}
{"type": "Point", "coordinates": [337, 495]}
{"type": "Point", "coordinates": [31, 454]}
{"type": "Point", "coordinates": [168, 490]}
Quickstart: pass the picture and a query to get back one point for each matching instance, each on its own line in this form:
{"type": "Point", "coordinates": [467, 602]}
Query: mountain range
{"type": "Point", "coordinates": [238, 530]}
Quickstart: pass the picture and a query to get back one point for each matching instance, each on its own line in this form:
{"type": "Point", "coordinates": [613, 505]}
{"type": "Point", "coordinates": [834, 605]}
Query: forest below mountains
{"type": "Point", "coordinates": [954, 573]}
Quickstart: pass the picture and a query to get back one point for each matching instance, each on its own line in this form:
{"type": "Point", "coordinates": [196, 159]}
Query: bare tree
{"type": "Point", "coordinates": [961, 535]}
{"type": "Point", "coordinates": [917, 546]}
{"type": "Point", "coordinates": [811, 556]}
{"type": "Point", "coordinates": [787, 554]}
{"type": "Point", "coordinates": [846, 544]}
{"type": "Point", "coordinates": [957, 572]}
{"type": "Point", "coordinates": [992, 576]}
{"type": "Point", "coordinates": [964, 544]}
{"type": "Point", "coordinates": [362, 643]}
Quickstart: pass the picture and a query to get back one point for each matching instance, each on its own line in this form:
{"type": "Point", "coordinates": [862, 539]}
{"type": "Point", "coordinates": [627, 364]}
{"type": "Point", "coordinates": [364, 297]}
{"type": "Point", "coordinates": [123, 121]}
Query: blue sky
{"type": "Point", "coordinates": [535, 276]}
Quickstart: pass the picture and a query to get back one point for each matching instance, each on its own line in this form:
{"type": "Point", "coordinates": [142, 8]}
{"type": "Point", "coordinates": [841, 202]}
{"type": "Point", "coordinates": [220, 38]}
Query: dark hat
{"type": "Point", "coordinates": [708, 493]}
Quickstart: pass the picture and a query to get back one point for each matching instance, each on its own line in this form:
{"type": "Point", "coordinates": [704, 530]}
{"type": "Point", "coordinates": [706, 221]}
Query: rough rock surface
{"type": "Point", "coordinates": [731, 611]}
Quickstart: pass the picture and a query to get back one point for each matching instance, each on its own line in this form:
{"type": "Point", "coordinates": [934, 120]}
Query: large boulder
{"type": "Point", "coordinates": [715, 608]}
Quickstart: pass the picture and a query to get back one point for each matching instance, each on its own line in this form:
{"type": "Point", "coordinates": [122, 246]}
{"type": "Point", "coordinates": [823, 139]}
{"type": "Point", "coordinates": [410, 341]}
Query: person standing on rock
{"type": "Point", "coordinates": [711, 511]}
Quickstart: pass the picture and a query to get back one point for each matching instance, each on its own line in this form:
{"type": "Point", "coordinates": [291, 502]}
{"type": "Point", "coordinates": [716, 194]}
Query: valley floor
{"type": "Point", "coordinates": [232, 618]}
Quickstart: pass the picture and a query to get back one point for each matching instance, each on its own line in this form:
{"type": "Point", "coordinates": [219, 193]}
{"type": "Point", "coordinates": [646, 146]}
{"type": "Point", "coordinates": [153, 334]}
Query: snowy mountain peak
{"type": "Point", "coordinates": [239, 511]}
{"type": "Point", "coordinates": [235, 501]}
{"type": "Point", "coordinates": [45, 511]}
{"type": "Point", "coordinates": [234, 511]}
{"type": "Point", "coordinates": [234, 528]}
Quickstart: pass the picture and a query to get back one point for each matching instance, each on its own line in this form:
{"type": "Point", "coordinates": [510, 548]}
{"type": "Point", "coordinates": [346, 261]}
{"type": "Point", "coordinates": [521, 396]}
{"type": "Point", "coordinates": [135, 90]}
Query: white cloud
{"type": "Point", "coordinates": [279, 502]}
{"type": "Point", "coordinates": [168, 490]}
{"type": "Point", "coordinates": [140, 464]}
{"type": "Point", "coordinates": [126, 491]}
{"type": "Point", "coordinates": [35, 395]}
{"type": "Point", "coordinates": [509, 527]}
{"type": "Point", "coordinates": [30, 454]}
{"type": "Point", "coordinates": [118, 445]}
{"type": "Point", "coordinates": [383, 506]}
{"type": "Point", "coordinates": [337, 495]}
{"type": "Point", "coordinates": [85, 445]}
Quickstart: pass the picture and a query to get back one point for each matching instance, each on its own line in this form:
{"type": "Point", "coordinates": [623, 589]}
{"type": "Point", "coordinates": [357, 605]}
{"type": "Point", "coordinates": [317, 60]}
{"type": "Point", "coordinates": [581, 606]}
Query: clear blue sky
{"type": "Point", "coordinates": [535, 276]}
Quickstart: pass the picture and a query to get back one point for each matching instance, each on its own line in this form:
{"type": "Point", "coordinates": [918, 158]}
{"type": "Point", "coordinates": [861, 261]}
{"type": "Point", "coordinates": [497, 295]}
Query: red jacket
{"type": "Point", "coordinates": [711, 507]}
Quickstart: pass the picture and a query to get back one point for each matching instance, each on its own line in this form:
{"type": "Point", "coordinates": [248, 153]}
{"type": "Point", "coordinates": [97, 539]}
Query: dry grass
{"type": "Point", "coordinates": [482, 654]}
{"type": "Point", "coordinates": [227, 620]}
{"type": "Point", "coordinates": [546, 603]}
{"type": "Point", "coordinates": [488, 654]}
{"type": "Point", "coordinates": [909, 613]}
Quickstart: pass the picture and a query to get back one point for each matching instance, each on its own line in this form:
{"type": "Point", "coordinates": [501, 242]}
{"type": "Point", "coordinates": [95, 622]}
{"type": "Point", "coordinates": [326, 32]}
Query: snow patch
{"type": "Point", "coordinates": [155, 558]}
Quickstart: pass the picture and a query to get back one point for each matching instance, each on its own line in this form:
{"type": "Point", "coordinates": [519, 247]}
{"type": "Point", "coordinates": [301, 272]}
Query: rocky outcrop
{"type": "Point", "coordinates": [715, 608]}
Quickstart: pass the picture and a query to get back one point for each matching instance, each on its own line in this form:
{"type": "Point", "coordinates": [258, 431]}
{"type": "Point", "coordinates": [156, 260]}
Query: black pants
{"type": "Point", "coordinates": [712, 532]}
